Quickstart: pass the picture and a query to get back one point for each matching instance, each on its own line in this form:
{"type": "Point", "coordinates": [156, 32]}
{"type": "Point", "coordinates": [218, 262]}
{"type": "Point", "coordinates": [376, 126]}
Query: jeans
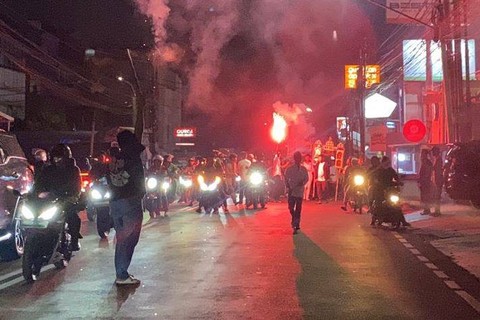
{"type": "Point", "coordinates": [295, 207]}
{"type": "Point", "coordinates": [127, 217]}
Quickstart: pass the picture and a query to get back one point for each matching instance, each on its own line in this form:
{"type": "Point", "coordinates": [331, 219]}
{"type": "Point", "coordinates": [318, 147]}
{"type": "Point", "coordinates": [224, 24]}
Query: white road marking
{"type": "Point", "coordinates": [469, 299]}
{"type": "Point", "coordinates": [440, 274]}
{"type": "Point", "coordinates": [20, 278]}
{"type": "Point", "coordinates": [10, 275]}
{"type": "Point", "coordinates": [423, 258]}
{"type": "Point", "coordinates": [431, 266]}
{"type": "Point", "coordinates": [408, 245]}
{"type": "Point", "coordinates": [402, 240]}
{"type": "Point", "coordinates": [452, 284]}
{"type": "Point", "coordinates": [396, 235]}
{"type": "Point", "coordinates": [415, 251]}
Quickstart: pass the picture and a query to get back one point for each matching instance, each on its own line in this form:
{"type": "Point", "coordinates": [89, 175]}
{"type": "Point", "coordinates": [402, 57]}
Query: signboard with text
{"type": "Point", "coordinates": [186, 132]}
{"type": "Point", "coordinates": [418, 9]}
{"type": "Point", "coordinates": [352, 74]}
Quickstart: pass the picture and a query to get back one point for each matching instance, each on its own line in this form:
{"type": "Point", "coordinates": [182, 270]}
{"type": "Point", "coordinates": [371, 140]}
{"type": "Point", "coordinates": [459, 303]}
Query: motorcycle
{"type": "Point", "coordinates": [156, 199]}
{"type": "Point", "coordinates": [256, 190]}
{"type": "Point", "coordinates": [209, 193]}
{"type": "Point", "coordinates": [46, 235]}
{"type": "Point", "coordinates": [98, 205]}
{"type": "Point", "coordinates": [388, 210]}
{"type": "Point", "coordinates": [358, 194]}
{"type": "Point", "coordinates": [186, 183]}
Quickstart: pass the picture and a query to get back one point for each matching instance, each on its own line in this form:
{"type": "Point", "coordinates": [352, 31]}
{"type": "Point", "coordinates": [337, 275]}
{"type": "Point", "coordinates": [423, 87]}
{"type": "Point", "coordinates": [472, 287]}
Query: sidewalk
{"type": "Point", "coordinates": [456, 233]}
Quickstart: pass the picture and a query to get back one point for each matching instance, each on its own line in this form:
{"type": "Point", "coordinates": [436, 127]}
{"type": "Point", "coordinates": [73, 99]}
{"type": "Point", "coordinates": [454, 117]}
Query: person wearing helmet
{"type": "Point", "coordinates": [62, 178]}
{"type": "Point", "coordinates": [40, 162]}
{"type": "Point", "coordinates": [157, 165]}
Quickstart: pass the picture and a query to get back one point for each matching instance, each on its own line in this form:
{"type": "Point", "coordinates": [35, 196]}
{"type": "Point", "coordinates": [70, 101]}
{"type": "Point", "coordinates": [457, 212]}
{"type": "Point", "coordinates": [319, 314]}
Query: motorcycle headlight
{"type": "Point", "coordinates": [358, 180]}
{"type": "Point", "coordinates": [48, 214]}
{"type": "Point", "coordinates": [238, 179]}
{"type": "Point", "coordinates": [27, 214]}
{"type": "Point", "coordinates": [152, 183]}
{"type": "Point", "coordinates": [95, 194]}
{"type": "Point", "coordinates": [165, 185]}
{"type": "Point", "coordinates": [187, 183]}
{"type": "Point", "coordinates": [394, 199]}
{"type": "Point", "coordinates": [256, 178]}
{"type": "Point", "coordinates": [107, 195]}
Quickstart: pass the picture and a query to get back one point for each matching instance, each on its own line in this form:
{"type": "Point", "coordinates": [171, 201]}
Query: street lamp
{"type": "Point", "coordinates": [134, 98]}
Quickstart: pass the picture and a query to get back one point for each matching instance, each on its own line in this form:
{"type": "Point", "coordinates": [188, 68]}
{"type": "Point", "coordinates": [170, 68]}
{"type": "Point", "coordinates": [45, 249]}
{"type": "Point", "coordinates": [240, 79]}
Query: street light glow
{"type": "Point", "coordinates": [308, 109]}
{"type": "Point", "coordinates": [120, 78]}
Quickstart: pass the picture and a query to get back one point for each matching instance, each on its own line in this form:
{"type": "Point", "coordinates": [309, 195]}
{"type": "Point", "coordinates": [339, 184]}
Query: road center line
{"type": "Point", "coordinates": [423, 258]}
{"type": "Point", "coordinates": [440, 274]}
{"type": "Point", "coordinates": [20, 278]}
{"type": "Point", "coordinates": [452, 284]}
{"type": "Point", "coordinates": [431, 266]}
{"type": "Point", "coordinates": [415, 252]}
{"type": "Point", "coordinates": [10, 275]}
{"type": "Point", "coordinates": [469, 299]}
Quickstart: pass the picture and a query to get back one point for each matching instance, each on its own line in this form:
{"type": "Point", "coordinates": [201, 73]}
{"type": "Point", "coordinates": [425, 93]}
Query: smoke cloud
{"type": "Point", "coordinates": [241, 55]}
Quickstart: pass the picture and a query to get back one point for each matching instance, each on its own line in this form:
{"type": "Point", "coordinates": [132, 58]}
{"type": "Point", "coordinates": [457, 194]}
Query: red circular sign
{"type": "Point", "coordinates": [414, 130]}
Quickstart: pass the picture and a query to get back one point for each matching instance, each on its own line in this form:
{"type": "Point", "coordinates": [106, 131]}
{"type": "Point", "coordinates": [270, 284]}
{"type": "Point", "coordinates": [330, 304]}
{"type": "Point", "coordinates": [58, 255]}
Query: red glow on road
{"type": "Point", "coordinates": [279, 128]}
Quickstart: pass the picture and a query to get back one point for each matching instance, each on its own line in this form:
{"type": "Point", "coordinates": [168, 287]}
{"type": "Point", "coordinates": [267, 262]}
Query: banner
{"type": "Point", "coordinates": [419, 9]}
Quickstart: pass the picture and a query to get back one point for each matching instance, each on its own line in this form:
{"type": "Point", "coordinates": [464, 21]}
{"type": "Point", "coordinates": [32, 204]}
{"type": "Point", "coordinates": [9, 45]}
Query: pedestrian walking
{"type": "Point", "coordinates": [437, 179]}
{"type": "Point", "coordinates": [425, 181]}
{"type": "Point", "coordinates": [127, 182]}
{"type": "Point", "coordinates": [296, 176]}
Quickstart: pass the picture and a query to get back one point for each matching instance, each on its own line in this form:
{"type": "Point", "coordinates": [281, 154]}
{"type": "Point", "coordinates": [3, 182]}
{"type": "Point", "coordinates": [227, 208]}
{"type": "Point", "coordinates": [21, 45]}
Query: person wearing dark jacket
{"type": "Point", "coordinates": [62, 178]}
{"type": "Point", "coordinates": [425, 181]}
{"type": "Point", "coordinates": [127, 182]}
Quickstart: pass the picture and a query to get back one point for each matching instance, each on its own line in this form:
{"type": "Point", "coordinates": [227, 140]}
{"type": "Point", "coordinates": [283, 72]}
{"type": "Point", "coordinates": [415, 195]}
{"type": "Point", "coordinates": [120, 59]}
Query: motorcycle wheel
{"type": "Point", "coordinates": [19, 239]}
{"type": "Point", "coordinates": [28, 261]}
{"type": "Point", "coordinates": [104, 221]}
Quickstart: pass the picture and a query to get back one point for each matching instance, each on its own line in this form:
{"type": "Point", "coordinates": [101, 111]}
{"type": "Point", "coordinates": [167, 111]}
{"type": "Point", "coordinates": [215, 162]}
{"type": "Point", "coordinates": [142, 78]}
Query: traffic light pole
{"type": "Point", "coordinates": [362, 89]}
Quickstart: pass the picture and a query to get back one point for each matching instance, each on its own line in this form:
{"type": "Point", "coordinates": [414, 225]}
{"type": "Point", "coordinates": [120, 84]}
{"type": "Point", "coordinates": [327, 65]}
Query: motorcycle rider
{"type": "Point", "coordinates": [62, 178]}
{"type": "Point", "coordinates": [388, 178]}
{"type": "Point", "coordinates": [257, 166]}
{"type": "Point", "coordinates": [209, 172]}
{"type": "Point", "coordinates": [350, 172]}
{"type": "Point", "coordinates": [40, 162]}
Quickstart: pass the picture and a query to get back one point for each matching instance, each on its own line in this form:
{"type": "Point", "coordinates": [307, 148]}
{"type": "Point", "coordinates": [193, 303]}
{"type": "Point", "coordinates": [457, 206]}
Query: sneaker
{"type": "Point", "coordinates": [129, 281]}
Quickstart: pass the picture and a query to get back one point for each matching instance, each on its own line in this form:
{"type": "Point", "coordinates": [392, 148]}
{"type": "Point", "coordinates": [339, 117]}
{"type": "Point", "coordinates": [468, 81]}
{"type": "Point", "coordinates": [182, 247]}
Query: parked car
{"type": "Point", "coordinates": [462, 172]}
{"type": "Point", "coordinates": [15, 174]}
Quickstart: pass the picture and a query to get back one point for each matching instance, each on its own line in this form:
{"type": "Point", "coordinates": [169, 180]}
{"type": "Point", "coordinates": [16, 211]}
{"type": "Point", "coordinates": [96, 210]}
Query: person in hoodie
{"type": "Point", "coordinates": [127, 182]}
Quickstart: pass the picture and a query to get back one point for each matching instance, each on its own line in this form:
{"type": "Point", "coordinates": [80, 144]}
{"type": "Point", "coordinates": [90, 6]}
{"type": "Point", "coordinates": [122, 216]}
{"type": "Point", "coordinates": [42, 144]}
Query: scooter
{"type": "Point", "coordinates": [156, 199]}
{"type": "Point", "coordinates": [359, 197]}
{"type": "Point", "coordinates": [388, 210]}
{"type": "Point", "coordinates": [98, 204]}
{"type": "Point", "coordinates": [256, 190]}
{"type": "Point", "coordinates": [46, 236]}
{"type": "Point", "coordinates": [209, 197]}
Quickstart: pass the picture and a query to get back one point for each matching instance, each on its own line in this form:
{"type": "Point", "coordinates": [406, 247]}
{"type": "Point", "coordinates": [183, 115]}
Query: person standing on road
{"type": "Point", "coordinates": [323, 175]}
{"type": "Point", "coordinates": [243, 166]}
{"type": "Point", "coordinates": [127, 182]}
{"type": "Point", "coordinates": [437, 179]}
{"type": "Point", "coordinates": [425, 181]}
{"type": "Point", "coordinates": [308, 164]}
{"type": "Point", "coordinates": [296, 176]}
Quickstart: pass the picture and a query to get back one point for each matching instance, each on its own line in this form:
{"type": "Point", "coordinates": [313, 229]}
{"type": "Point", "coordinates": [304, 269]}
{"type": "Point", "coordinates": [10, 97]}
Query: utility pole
{"type": "Point", "coordinates": [361, 91]}
{"type": "Point", "coordinates": [139, 102]}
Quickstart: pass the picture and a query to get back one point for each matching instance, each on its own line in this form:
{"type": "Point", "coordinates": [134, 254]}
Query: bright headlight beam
{"type": "Point", "coordinates": [256, 178]}
{"type": "Point", "coordinates": [358, 180]}
{"type": "Point", "coordinates": [48, 214]}
{"type": "Point", "coordinates": [27, 213]}
{"type": "Point", "coordinates": [152, 183]}
{"type": "Point", "coordinates": [95, 194]}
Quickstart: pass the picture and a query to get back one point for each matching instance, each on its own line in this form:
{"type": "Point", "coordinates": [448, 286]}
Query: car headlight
{"type": "Point", "coordinates": [27, 214]}
{"type": "Point", "coordinates": [95, 194]}
{"type": "Point", "coordinates": [256, 178]}
{"type": "Point", "coordinates": [358, 180]}
{"type": "Point", "coordinates": [48, 214]}
{"type": "Point", "coordinates": [152, 183]}
{"type": "Point", "coordinates": [394, 199]}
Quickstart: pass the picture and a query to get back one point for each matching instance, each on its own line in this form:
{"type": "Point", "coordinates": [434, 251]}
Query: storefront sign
{"type": "Point", "coordinates": [185, 132]}
{"type": "Point", "coordinates": [352, 73]}
{"type": "Point", "coordinates": [378, 138]}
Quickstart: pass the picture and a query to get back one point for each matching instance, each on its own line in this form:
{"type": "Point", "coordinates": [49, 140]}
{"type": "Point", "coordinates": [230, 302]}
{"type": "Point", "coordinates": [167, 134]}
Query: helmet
{"type": "Point", "coordinates": [40, 155]}
{"type": "Point", "coordinates": [60, 151]}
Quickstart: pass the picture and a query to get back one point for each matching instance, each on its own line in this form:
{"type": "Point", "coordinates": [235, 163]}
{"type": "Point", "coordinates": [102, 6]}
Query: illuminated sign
{"type": "Point", "coordinates": [185, 132]}
{"type": "Point", "coordinates": [351, 76]}
{"type": "Point", "coordinates": [420, 9]}
{"type": "Point", "coordinates": [372, 75]}
{"type": "Point", "coordinates": [378, 106]}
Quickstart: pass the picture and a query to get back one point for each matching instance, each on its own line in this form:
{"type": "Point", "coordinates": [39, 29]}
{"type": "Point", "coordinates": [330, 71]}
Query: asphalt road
{"type": "Point", "coordinates": [248, 265]}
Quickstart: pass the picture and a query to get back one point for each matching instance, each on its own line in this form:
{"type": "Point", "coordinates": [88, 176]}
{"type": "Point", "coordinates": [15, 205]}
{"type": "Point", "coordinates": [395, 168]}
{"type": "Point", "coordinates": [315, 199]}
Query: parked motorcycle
{"type": "Point", "coordinates": [388, 210]}
{"type": "Point", "coordinates": [46, 235]}
{"type": "Point", "coordinates": [257, 190]}
{"type": "Point", "coordinates": [209, 197]}
{"type": "Point", "coordinates": [156, 199]}
{"type": "Point", "coordinates": [98, 205]}
{"type": "Point", "coordinates": [358, 194]}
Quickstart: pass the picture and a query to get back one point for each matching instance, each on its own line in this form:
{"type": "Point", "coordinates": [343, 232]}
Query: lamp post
{"type": "Point", "coordinates": [134, 98]}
